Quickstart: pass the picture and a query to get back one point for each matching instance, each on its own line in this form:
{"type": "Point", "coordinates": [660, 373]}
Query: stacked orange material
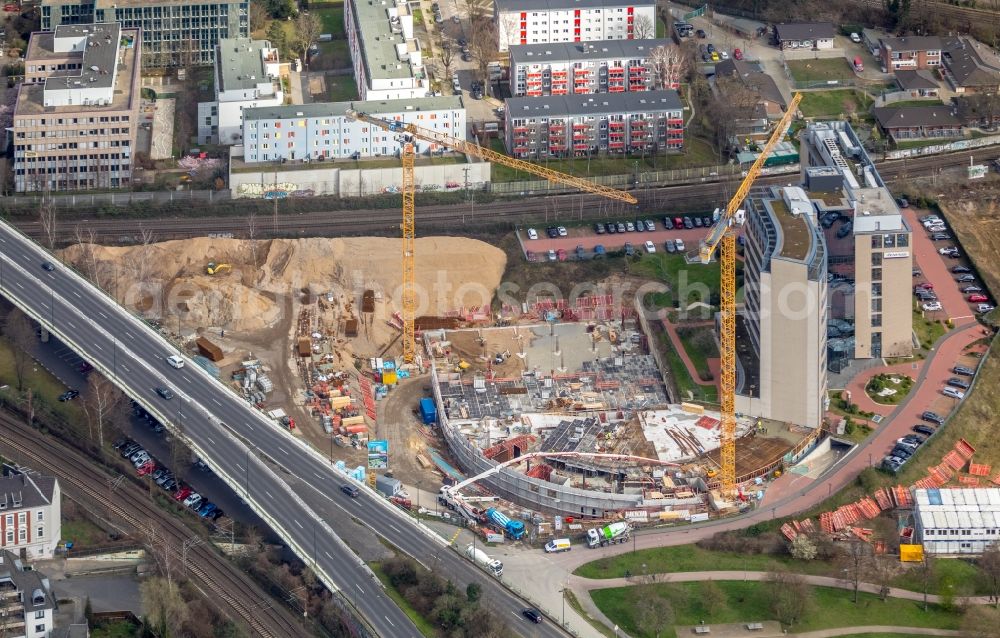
{"type": "Point", "coordinates": [954, 459]}
{"type": "Point", "coordinates": [979, 469]}
{"type": "Point", "coordinates": [964, 448]}
{"type": "Point", "coordinates": [971, 481]}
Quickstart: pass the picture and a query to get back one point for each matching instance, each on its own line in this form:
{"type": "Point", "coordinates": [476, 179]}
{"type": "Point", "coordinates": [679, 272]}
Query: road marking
{"type": "Point", "coordinates": [316, 474]}
{"type": "Point", "coordinates": [242, 469]}
{"type": "Point", "coordinates": [359, 588]}
{"type": "Point", "coordinates": [70, 324]}
{"type": "Point", "coordinates": [283, 450]}
{"type": "Point", "coordinates": [389, 621]}
{"type": "Point", "coordinates": [98, 346]}
{"type": "Point", "coordinates": [269, 495]}
{"type": "Point", "coordinates": [210, 440]}
{"type": "Point", "coordinates": [298, 523]}
{"type": "Point", "coordinates": [102, 314]}
{"type": "Point", "coordinates": [328, 556]}
{"type": "Point", "coordinates": [395, 529]}
{"type": "Point", "coordinates": [123, 367]}
{"type": "Point", "coordinates": [188, 379]}
{"type": "Point", "coordinates": [77, 294]}
{"type": "Point", "coordinates": [250, 426]}
{"type": "Point", "coordinates": [184, 416]}
{"type": "Point", "coordinates": [18, 284]}
{"type": "Point", "coordinates": [216, 402]}
{"type": "Point", "coordinates": [129, 335]}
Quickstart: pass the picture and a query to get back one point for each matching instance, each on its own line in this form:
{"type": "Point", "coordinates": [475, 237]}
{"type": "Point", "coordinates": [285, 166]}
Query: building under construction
{"type": "Point", "coordinates": [586, 407]}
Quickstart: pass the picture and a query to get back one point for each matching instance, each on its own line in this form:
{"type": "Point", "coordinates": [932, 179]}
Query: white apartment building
{"type": "Point", "coordinates": [26, 600]}
{"type": "Point", "coordinates": [246, 76]}
{"type": "Point", "coordinates": [323, 131]}
{"type": "Point", "coordinates": [388, 62]}
{"type": "Point", "coordinates": [522, 22]}
{"type": "Point", "coordinates": [30, 514]}
{"type": "Point", "coordinates": [561, 68]}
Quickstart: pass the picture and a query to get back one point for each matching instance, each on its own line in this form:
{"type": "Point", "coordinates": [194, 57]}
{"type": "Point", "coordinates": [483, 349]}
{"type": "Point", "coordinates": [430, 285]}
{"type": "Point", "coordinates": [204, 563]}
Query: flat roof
{"type": "Point", "coordinates": [875, 211]}
{"type": "Point", "coordinates": [98, 58]}
{"type": "Point", "coordinates": [568, 5]}
{"type": "Point", "coordinates": [377, 41]}
{"type": "Point", "coordinates": [574, 51]}
{"type": "Point", "coordinates": [796, 235]}
{"type": "Point", "coordinates": [600, 103]}
{"type": "Point", "coordinates": [339, 109]}
{"type": "Point", "coordinates": [31, 97]}
{"type": "Point", "coordinates": [239, 63]}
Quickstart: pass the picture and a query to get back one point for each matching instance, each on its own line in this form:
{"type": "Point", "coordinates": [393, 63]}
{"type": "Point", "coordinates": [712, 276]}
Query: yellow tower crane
{"type": "Point", "coordinates": [469, 148]}
{"type": "Point", "coordinates": [724, 232]}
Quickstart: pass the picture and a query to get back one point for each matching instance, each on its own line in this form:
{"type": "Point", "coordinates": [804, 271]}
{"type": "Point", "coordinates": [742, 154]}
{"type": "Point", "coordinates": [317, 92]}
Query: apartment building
{"type": "Point", "coordinates": [579, 125]}
{"type": "Point", "coordinates": [246, 76]}
{"type": "Point", "coordinates": [174, 32]}
{"type": "Point", "coordinates": [562, 68]}
{"type": "Point", "coordinates": [785, 302]}
{"type": "Point", "coordinates": [323, 131]}
{"type": "Point", "coordinates": [76, 114]}
{"type": "Point", "coordinates": [26, 601]}
{"type": "Point", "coordinates": [910, 53]}
{"type": "Point", "coordinates": [30, 514]}
{"type": "Point", "coordinates": [521, 22]}
{"type": "Point", "coordinates": [388, 61]}
{"type": "Point", "coordinates": [877, 252]}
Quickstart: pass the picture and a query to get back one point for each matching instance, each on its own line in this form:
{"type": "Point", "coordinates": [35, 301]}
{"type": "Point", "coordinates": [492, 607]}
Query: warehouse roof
{"type": "Point", "coordinates": [797, 31]}
{"type": "Point", "coordinates": [338, 109]}
{"type": "Point", "coordinates": [576, 51]}
{"type": "Point", "coordinates": [602, 103]}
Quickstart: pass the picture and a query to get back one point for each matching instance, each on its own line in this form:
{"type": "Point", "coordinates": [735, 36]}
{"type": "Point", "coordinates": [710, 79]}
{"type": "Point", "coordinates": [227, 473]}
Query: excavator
{"type": "Point", "coordinates": [214, 269]}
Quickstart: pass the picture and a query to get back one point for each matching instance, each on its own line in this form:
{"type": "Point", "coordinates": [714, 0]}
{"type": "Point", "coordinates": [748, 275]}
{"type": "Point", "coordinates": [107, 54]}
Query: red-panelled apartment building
{"type": "Point", "coordinates": [540, 21]}
{"type": "Point", "coordinates": [581, 125]}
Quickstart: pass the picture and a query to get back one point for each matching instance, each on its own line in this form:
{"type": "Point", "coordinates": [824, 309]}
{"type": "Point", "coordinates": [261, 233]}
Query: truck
{"type": "Point", "coordinates": [513, 529]}
{"type": "Point", "coordinates": [482, 559]}
{"type": "Point", "coordinates": [428, 411]}
{"type": "Point", "coordinates": [608, 535]}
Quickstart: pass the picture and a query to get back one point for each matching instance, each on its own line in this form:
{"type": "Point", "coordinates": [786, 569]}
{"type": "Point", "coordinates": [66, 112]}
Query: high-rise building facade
{"type": "Point", "coordinates": [540, 21]}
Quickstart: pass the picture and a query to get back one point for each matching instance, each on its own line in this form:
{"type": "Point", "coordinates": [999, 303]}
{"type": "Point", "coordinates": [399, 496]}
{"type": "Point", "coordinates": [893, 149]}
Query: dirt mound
{"type": "Point", "coordinates": [168, 280]}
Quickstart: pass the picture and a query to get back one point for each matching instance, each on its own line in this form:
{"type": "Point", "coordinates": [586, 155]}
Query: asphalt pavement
{"type": "Point", "coordinates": [242, 445]}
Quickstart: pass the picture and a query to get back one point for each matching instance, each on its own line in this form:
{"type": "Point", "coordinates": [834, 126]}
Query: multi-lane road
{"type": "Point", "coordinates": [243, 447]}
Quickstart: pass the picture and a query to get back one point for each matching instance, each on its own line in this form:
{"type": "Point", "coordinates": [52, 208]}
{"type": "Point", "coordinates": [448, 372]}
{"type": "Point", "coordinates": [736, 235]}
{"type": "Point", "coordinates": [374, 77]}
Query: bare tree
{"type": "Point", "coordinates": [653, 611]}
{"type": "Point", "coordinates": [881, 570]}
{"type": "Point", "coordinates": [483, 44]}
{"type": "Point", "coordinates": [926, 571]}
{"type": "Point", "coordinates": [791, 598]}
{"type": "Point", "coordinates": [989, 564]}
{"type": "Point", "coordinates": [252, 237]}
{"type": "Point", "coordinates": [712, 597]}
{"type": "Point", "coordinates": [981, 622]}
{"type": "Point", "coordinates": [853, 562]}
{"type": "Point", "coordinates": [86, 246]}
{"type": "Point", "coordinates": [307, 29]}
{"type": "Point", "coordinates": [47, 219]}
{"type": "Point", "coordinates": [258, 15]}
{"type": "Point", "coordinates": [100, 404]}
{"type": "Point", "coordinates": [166, 610]}
{"type": "Point", "coordinates": [447, 56]}
{"type": "Point", "coordinates": [643, 27]}
{"type": "Point", "coordinates": [670, 65]}
{"type": "Point", "coordinates": [21, 335]}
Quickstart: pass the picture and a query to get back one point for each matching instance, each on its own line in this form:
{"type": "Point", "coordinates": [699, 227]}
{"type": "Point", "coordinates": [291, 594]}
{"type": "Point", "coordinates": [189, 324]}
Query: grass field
{"type": "Point", "coordinates": [747, 602]}
{"type": "Point", "coordinates": [699, 343]}
{"type": "Point", "coordinates": [341, 88]}
{"type": "Point", "coordinates": [928, 330]}
{"type": "Point", "coordinates": [688, 283]}
{"type": "Point", "coordinates": [834, 103]}
{"type": "Point", "coordinates": [423, 625]}
{"type": "Point", "coordinates": [900, 383]}
{"type": "Point", "coordinates": [820, 69]}
{"type": "Point", "coordinates": [119, 629]}
{"type": "Point", "coordinates": [698, 153]}
{"type": "Point", "coordinates": [82, 533]}
{"type": "Point", "coordinates": [43, 384]}
{"type": "Point", "coordinates": [332, 19]}
{"type": "Point", "coordinates": [685, 384]}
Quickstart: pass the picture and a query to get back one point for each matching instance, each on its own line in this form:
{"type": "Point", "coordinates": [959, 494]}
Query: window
{"type": "Point", "coordinates": [876, 259]}
{"type": "Point", "coordinates": [876, 274]}
{"type": "Point", "coordinates": [876, 241]}
{"type": "Point", "coordinates": [40, 532]}
{"type": "Point", "coordinates": [22, 535]}
{"type": "Point", "coordinates": [877, 320]}
{"type": "Point", "coordinates": [10, 537]}
{"type": "Point", "coordinates": [889, 241]}
{"type": "Point", "coordinates": [21, 517]}
{"type": "Point", "coordinates": [876, 290]}
{"type": "Point", "coordinates": [39, 615]}
{"type": "Point", "coordinates": [902, 240]}
{"type": "Point", "coordinates": [876, 305]}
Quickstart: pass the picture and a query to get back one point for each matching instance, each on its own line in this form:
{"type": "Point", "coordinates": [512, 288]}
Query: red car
{"type": "Point", "coordinates": [561, 254]}
{"type": "Point", "coordinates": [737, 54]}
{"type": "Point", "coordinates": [926, 285]}
{"type": "Point", "coordinates": [147, 468]}
{"type": "Point", "coordinates": [978, 298]}
{"type": "Point", "coordinates": [678, 222]}
{"type": "Point", "coordinates": [183, 493]}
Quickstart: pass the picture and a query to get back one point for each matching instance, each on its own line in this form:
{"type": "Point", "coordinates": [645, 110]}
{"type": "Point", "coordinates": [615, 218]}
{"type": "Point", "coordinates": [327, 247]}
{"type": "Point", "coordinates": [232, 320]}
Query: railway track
{"type": "Point", "coordinates": [967, 15]}
{"type": "Point", "coordinates": [458, 218]}
{"type": "Point", "coordinates": [233, 592]}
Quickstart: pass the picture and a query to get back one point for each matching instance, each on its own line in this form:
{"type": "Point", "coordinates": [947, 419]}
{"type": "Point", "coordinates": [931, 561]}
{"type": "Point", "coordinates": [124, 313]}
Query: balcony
{"type": "Point", "coordinates": [616, 124]}
{"type": "Point", "coordinates": [534, 82]}
{"type": "Point", "coordinates": [675, 121]}
{"type": "Point", "coordinates": [520, 149]}
{"type": "Point", "coordinates": [582, 137]}
{"type": "Point", "coordinates": [581, 127]}
{"type": "Point", "coordinates": [535, 74]}
{"type": "Point", "coordinates": [520, 129]}
{"type": "Point", "coordinates": [638, 123]}
{"type": "Point", "coordinates": [559, 91]}
{"type": "Point", "coordinates": [614, 144]}
{"type": "Point", "coordinates": [534, 92]}
{"type": "Point", "coordinates": [559, 74]}
{"type": "Point", "coordinates": [616, 70]}
{"type": "Point", "coordinates": [581, 71]}
{"type": "Point", "coordinates": [616, 133]}
{"type": "Point", "coordinates": [637, 70]}
{"type": "Point", "coordinates": [581, 147]}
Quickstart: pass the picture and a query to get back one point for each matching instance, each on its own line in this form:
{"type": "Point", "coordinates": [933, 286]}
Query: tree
{"type": "Point", "coordinates": [47, 220]}
{"type": "Point", "coordinates": [670, 65]}
{"type": "Point", "coordinates": [281, 9]}
{"type": "Point", "coordinates": [276, 34]}
{"type": "Point", "coordinates": [307, 29]}
{"type": "Point", "coordinates": [447, 56]}
{"type": "Point", "coordinates": [712, 597]}
{"type": "Point", "coordinates": [881, 570]}
{"type": "Point", "coordinates": [166, 610]}
{"type": "Point", "coordinates": [473, 591]}
{"type": "Point", "coordinates": [258, 15]}
{"type": "Point", "coordinates": [100, 404]}
{"type": "Point", "coordinates": [979, 109]}
{"type": "Point", "coordinates": [483, 44]}
{"type": "Point", "coordinates": [654, 612]}
{"type": "Point", "coordinates": [853, 561]}
{"type": "Point", "coordinates": [791, 597]}
{"type": "Point", "coordinates": [803, 548]}
{"type": "Point", "coordinates": [21, 335]}
{"type": "Point", "coordinates": [643, 27]}
{"type": "Point", "coordinates": [926, 572]}
{"type": "Point", "coordinates": [989, 564]}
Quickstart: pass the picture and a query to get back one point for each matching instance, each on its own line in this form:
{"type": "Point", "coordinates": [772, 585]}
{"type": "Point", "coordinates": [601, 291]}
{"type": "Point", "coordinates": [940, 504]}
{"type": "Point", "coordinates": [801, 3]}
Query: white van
{"type": "Point", "coordinates": [175, 361]}
{"type": "Point", "coordinates": [558, 545]}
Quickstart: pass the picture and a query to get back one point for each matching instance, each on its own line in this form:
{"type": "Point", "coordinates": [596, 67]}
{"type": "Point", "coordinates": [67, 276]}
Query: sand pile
{"type": "Point", "coordinates": [168, 280]}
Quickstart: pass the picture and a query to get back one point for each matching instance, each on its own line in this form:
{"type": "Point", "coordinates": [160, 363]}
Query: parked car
{"type": "Point", "coordinates": [193, 500]}
{"type": "Point", "coordinates": [146, 468]}
{"type": "Point", "coordinates": [630, 227]}
{"type": "Point", "coordinates": [69, 395]}
{"type": "Point", "coordinates": [946, 249]}
{"type": "Point", "coordinates": [701, 34]}
{"type": "Point", "coordinates": [955, 382]}
{"type": "Point", "coordinates": [679, 245]}
{"type": "Point", "coordinates": [964, 371]}
{"type": "Point", "coordinates": [217, 513]}
{"type": "Point", "coordinates": [561, 254]}
{"type": "Point", "coordinates": [737, 54]}
{"type": "Point", "coordinates": [940, 236]}
{"type": "Point", "coordinates": [650, 226]}
{"type": "Point", "coordinates": [954, 393]}
{"type": "Point", "coordinates": [562, 231]}
{"type": "Point", "coordinates": [183, 493]}
{"type": "Point", "coordinates": [923, 429]}
{"type": "Point", "coordinates": [640, 226]}
{"type": "Point", "coordinates": [552, 232]}
{"type": "Point", "coordinates": [969, 289]}
{"type": "Point", "coordinates": [629, 249]}
{"type": "Point", "coordinates": [857, 38]}
{"type": "Point", "coordinates": [978, 297]}
{"type": "Point", "coordinates": [961, 270]}
{"type": "Point", "coordinates": [678, 222]}
{"type": "Point", "coordinates": [668, 223]}
{"type": "Point", "coordinates": [649, 246]}
{"type": "Point", "coordinates": [206, 509]}
{"type": "Point", "coordinates": [932, 306]}
{"type": "Point", "coordinates": [829, 219]}
{"type": "Point", "coordinates": [552, 255]}
{"type": "Point", "coordinates": [965, 278]}
{"type": "Point", "coordinates": [697, 222]}
{"type": "Point", "coordinates": [599, 229]}
{"type": "Point", "coordinates": [706, 221]}
{"type": "Point", "coordinates": [985, 307]}
{"type": "Point", "coordinates": [933, 417]}
{"type": "Point", "coordinates": [620, 227]}
{"type": "Point", "coordinates": [532, 233]}
{"type": "Point", "coordinates": [688, 223]}
{"type": "Point", "coordinates": [611, 227]}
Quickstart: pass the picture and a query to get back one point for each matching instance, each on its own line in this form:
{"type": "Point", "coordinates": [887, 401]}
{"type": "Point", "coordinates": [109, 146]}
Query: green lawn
{"type": "Point", "coordinates": [749, 601]}
{"type": "Point", "coordinates": [423, 625]}
{"type": "Point", "coordinates": [685, 384]}
{"type": "Point", "coordinates": [834, 103]}
{"type": "Point", "coordinates": [901, 383]}
{"type": "Point", "coordinates": [120, 629]}
{"type": "Point", "coordinates": [332, 19]}
{"type": "Point", "coordinates": [82, 533]}
{"type": "Point", "coordinates": [699, 152]}
{"type": "Point", "coordinates": [44, 385]}
{"type": "Point", "coordinates": [689, 283]}
{"type": "Point", "coordinates": [699, 343]}
{"type": "Point", "coordinates": [341, 88]}
{"type": "Point", "coordinates": [820, 69]}
{"type": "Point", "coordinates": [928, 330]}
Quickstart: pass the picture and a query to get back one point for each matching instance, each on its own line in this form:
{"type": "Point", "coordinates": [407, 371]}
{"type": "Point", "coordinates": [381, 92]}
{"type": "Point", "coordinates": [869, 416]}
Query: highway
{"type": "Point", "coordinates": [242, 446]}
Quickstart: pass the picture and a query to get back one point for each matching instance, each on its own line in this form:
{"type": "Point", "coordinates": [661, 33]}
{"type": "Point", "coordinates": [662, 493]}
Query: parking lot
{"type": "Point", "coordinates": [587, 237]}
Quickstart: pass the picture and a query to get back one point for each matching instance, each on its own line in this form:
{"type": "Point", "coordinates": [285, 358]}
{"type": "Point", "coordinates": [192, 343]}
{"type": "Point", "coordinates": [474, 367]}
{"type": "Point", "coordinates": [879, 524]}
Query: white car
{"type": "Point", "coordinates": [947, 249]}
{"type": "Point", "coordinates": [175, 361]}
{"type": "Point", "coordinates": [984, 307]}
{"type": "Point", "coordinates": [723, 55]}
{"type": "Point", "coordinates": [932, 306]}
{"type": "Point", "coordinates": [192, 500]}
{"type": "Point", "coordinates": [953, 393]}
{"type": "Point", "coordinates": [532, 233]}
{"type": "Point", "coordinates": [855, 37]}
{"type": "Point", "coordinates": [650, 246]}
{"type": "Point", "coordinates": [679, 243]}
{"type": "Point", "coordinates": [562, 231]}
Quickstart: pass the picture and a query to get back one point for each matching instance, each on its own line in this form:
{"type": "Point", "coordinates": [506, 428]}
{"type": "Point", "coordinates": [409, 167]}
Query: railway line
{"type": "Point", "coordinates": [233, 592]}
{"type": "Point", "coordinates": [967, 15]}
{"type": "Point", "coordinates": [457, 218]}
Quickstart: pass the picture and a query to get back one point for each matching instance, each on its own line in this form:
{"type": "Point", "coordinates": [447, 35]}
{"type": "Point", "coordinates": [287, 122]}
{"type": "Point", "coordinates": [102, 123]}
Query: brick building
{"type": "Point", "coordinates": [910, 53]}
{"type": "Point", "coordinates": [561, 68]}
{"type": "Point", "coordinates": [580, 125]}
{"type": "Point", "coordinates": [76, 112]}
{"type": "Point", "coordinates": [543, 21]}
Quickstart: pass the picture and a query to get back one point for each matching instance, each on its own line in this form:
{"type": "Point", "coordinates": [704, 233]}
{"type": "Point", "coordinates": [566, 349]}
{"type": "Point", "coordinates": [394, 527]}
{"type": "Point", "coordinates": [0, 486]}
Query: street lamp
{"type": "Point", "coordinates": [563, 593]}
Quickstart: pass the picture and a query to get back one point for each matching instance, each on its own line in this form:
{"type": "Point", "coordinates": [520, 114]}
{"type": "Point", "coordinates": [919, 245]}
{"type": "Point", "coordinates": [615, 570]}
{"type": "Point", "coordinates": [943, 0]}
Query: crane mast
{"type": "Point", "coordinates": [724, 233]}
